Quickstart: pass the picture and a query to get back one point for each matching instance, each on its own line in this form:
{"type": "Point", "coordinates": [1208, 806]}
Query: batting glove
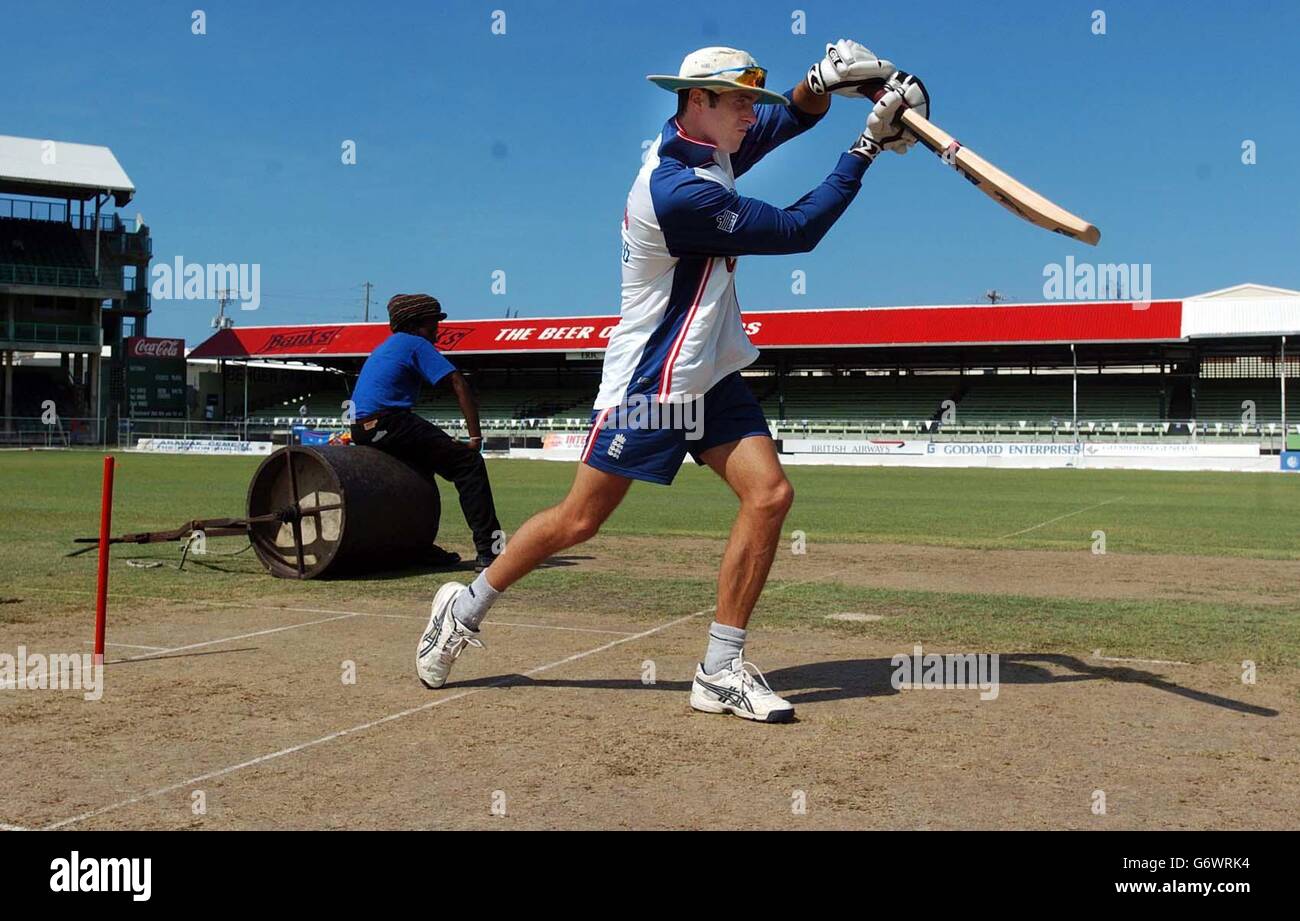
{"type": "Point", "coordinates": [889, 132]}
{"type": "Point", "coordinates": [849, 69]}
{"type": "Point", "coordinates": [880, 126]}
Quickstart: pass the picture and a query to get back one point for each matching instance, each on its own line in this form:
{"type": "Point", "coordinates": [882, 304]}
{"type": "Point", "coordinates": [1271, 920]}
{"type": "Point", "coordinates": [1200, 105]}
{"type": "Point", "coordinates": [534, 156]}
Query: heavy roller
{"type": "Point", "coordinates": [333, 510]}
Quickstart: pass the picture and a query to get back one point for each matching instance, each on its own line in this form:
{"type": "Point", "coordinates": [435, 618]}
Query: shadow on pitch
{"type": "Point", "coordinates": [846, 679]}
{"type": "Point", "coordinates": [851, 678]}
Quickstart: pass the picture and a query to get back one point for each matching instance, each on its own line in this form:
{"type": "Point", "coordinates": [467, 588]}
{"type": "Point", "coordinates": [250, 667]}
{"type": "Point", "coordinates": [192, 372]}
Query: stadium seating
{"type": "Point", "coordinates": [1220, 399]}
{"type": "Point", "coordinates": [40, 252]}
{"type": "Point", "coordinates": [1003, 397]}
{"type": "Point", "coordinates": [891, 397]}
{"type": "Point", "coordinates": [1110, 405]}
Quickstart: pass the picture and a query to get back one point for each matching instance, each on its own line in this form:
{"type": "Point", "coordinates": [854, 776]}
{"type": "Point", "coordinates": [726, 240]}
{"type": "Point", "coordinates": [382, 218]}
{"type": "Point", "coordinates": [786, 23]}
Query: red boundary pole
{"type": "Point", "coordinates": [101, 587]}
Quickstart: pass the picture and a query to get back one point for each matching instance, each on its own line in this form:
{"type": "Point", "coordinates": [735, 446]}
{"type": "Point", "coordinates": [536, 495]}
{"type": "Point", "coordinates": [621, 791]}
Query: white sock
{"type": "Point", "coordinates": [725, 643]}
{"type": "Point", "coordinates": [471, 606]}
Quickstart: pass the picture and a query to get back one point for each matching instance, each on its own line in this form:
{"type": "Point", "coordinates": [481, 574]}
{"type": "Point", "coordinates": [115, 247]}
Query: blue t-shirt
{"type": "Point", "coordinates": [391, 376]}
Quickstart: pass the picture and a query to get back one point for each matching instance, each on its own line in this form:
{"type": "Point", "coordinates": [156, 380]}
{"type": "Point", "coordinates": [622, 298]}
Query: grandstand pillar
{"type": "Point", "coordinates": [93, 402]}
{"type": "Point", "coordinates": [9, 389]}
{"type": "Point", "coordinates": [96, 234]}
{"type": "Point", "coordinates": [780, 388]}
{"type": "Point", "coordinates": [1282, 378]}
{"type": "Point", "coordinates": [64, 369]}
{"type": "Point", "coordinates": [1074, 380]}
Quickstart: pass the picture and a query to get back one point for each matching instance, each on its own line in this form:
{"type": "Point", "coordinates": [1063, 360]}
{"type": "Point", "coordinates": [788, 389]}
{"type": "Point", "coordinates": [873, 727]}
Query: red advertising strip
{"type": "Point", "coordinates": [848, 328]}
{"type": "Point", "coordinates": [1029, 323]}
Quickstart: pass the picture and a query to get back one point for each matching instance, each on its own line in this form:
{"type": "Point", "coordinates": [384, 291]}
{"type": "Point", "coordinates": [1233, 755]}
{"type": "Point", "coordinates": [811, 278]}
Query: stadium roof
{"type": "Point", "coordinates": [61, 169]}
{"type": "Point", "coordinates": [831, 328]}
{"type": "Point", "coordinates": [1018, 324]}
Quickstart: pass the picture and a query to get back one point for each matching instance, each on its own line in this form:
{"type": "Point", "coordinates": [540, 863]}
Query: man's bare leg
{"type": "Point", "coordinates": [458, 609]}
{"type": "Point", "coordinates": [754, 473]}
{"type": "Point", "coordinates": [592, 499]}
{"type": "Point", "coordinates": [724, 682]}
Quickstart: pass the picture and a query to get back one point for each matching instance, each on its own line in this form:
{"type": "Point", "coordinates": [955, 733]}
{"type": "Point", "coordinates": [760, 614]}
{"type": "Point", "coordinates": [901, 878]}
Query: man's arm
{"type": "Point", "coordinates": [700, 217]}
{"type": "Point", "coordinates": [848, 69]}
{"type": "Point", "coordinates": [468, 407]}
{"type": "Point", "coordinates": [808, 102]}
{"type": "Point", "coordinates": [777, 124]}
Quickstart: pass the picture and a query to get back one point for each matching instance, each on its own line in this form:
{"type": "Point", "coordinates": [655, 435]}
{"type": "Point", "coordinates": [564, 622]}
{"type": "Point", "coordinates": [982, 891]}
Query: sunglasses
{"type": "Point", "coordinates": [745, 76]}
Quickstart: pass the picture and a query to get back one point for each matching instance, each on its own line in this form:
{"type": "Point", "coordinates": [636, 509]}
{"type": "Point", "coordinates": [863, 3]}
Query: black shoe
{"type": "Point", "coordinates": [484, 560]}
{"type": "Point", "coordinates": [443, 559]}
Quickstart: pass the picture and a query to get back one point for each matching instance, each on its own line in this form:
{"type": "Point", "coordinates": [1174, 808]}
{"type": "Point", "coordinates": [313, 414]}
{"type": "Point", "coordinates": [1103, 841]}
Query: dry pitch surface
{"type": "Point", "coordinates": [226, 689]}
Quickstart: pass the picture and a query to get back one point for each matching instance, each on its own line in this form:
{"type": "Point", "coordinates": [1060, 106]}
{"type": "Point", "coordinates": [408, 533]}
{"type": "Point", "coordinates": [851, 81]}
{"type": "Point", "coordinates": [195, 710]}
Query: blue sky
{"type": "Point", "coordinates": [478, 152]}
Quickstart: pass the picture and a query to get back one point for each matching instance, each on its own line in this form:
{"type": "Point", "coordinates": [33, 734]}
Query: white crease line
{"type": "Point", "coordinates": [229, 639]}
{"type": "Point", "coordinates": [129, 645]}
{"type": "Point", "coordinates": [1097, 655]}
{"type": "Point", "coordinates": [1059, 517]}
{"type": "Point", "coordinates": [502, 623]}
{"type": "Point", "coordinates": [362, 727]}
{"type": "Point", "coordinates": [4, 827]}
{"type": "Point", "coordinates": [225, 604]}
{"type": "Point", "coordinates": [262, 607]}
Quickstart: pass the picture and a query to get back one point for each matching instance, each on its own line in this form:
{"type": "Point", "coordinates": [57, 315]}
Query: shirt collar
{"type": "Point", "coordinates": [681, 146]}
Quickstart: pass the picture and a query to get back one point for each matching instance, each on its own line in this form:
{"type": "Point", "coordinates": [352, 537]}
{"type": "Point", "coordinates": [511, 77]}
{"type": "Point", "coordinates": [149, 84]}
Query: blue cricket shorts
{"type": "Point", "coordinates": [654, 453]}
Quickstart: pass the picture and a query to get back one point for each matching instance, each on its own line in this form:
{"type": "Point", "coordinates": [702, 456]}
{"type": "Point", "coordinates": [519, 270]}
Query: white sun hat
{"type": "Point", "coordinates": [720, 69]}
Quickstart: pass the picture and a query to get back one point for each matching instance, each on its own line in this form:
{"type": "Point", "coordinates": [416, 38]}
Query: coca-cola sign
{"type": "Point", "coordinates": [147, 347]}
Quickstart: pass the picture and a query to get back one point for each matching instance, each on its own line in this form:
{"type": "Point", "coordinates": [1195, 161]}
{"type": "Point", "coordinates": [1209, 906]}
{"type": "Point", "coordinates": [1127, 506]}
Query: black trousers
{"type": "Point", "coordinates": [423, 446]}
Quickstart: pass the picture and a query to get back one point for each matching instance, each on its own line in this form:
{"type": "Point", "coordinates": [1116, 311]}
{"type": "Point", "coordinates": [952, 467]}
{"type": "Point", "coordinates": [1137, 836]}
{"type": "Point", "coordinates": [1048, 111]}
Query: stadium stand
{"type": "Point", "coordinates": [993, 397]}
{"type": "Point", "coordinates": [1220, 400]}
{"type": "Point", "coordinates": [1167, 370]}
{"type": "Point", "coordinates": [68, 269]}
{"type": "Point", "coordinates": [860, 396]}
{"type": "Point", "coordinates": [34, 252]}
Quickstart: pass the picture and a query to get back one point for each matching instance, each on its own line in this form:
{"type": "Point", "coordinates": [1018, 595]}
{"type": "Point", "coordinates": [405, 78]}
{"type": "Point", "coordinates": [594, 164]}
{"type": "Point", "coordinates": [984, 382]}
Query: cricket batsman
{"type": "Point", "coordinates": [680, 340]}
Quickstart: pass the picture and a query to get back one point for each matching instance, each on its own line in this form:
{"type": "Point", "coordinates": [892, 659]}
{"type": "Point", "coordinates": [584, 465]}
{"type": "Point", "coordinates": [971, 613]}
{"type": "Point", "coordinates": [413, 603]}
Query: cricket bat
{"type": "Point", "coordinates": [1016, 197]}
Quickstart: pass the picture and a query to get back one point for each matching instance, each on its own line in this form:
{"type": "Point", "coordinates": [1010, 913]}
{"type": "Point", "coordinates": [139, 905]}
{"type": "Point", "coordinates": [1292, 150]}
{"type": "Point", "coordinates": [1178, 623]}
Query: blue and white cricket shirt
{"type": "Point", "coordinates": [684, 227]}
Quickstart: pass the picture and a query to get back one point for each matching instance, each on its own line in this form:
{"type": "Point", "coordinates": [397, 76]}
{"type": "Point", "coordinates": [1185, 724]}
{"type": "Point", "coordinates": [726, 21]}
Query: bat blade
{"type": "Point", "coordinates": [1011, 194]}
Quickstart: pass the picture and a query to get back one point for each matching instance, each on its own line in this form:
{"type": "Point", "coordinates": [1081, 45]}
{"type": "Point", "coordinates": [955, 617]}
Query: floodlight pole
{"type": "Point", "coordinates": [1282, 376]}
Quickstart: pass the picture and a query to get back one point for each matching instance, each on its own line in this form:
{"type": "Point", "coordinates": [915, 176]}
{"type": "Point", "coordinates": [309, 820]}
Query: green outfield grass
{"type": "Point", "coordinates": [51, 497]}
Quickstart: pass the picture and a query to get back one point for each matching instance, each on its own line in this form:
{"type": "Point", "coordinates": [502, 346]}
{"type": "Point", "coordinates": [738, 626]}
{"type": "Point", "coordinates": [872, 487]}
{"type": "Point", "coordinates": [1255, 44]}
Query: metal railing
{"type": "Point", "coordinates": [109, 221]}
{"type": "Point", "coordinates": [127, 243]}
{"type": "Point", "coordinates": [56, 276]}
{"type": "Point", "coordinates": [60, 276]}
{"type": "Point", "coordinates": [54, 334]}
{"type": "Point", "coordinates": [56, 212]}
{"type": "Point", "coordinates": [130, 431]}
{"type": "Point", "coordinates": [33, 432]}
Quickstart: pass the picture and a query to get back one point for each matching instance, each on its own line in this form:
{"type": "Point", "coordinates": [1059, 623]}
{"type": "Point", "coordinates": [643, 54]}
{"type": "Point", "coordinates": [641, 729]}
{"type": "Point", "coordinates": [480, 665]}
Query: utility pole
{"type": "Point", "coordinates": [221, 321]}
{"type": "Point", "coordinates": [367, 285]}
{"type": "Point", "coordinates": [993, 296]}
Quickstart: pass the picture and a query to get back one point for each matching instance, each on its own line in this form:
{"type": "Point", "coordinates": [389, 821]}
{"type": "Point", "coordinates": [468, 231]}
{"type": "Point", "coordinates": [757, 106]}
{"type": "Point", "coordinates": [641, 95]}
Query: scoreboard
{"type": "Point", "coordinates": [155, 378]}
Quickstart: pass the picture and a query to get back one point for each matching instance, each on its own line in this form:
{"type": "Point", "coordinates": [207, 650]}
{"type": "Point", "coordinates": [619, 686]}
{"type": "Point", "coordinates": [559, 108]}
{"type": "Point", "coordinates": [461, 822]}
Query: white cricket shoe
{"type": "Point", "coordinates": [735, 690]}
{"type": "Point", "coordinates": [444, 639]}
